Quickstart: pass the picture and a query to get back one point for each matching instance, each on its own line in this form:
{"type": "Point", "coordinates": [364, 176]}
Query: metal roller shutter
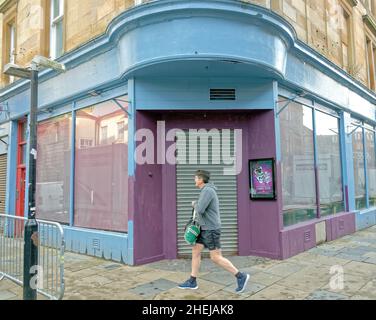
{"type": "Point", "coordinates": [3, 177]}
{"type": "Point", "coordinates": [187, 192]}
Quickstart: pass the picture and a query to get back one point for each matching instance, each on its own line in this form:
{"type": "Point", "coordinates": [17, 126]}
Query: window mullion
{"type": "Point", "coordinates": [342, 152]}
{"type": "Point", "coordinates": [72, 165]}
{"type": "Point", "coordinates": [365, 166]}
{"type": "Point", "coordinates": [316, 165]}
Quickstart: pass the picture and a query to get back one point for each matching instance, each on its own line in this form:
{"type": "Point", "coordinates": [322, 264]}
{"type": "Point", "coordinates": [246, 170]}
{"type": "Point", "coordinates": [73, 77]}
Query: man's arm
{"type": "Point", "coordinates": [203, 201]}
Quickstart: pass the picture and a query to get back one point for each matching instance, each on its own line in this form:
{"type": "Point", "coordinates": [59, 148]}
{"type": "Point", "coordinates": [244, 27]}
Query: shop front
{"type": "Point", "coordinates": [289, 137]}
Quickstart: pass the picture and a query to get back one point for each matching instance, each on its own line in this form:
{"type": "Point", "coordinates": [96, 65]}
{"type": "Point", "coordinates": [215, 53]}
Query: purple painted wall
{"type": "Point", "coordinates": [297, 239]}
{"type": "Point", "coordinates": [264, 224]}
{"type": "Point", "coordinates": [301, 237]}
{"type": "Point", "coordinates": [148, 214]}
{"type": "Point", "coordinates": [209, 120]}
{"type": "Point", "coordinates": [340, 225]}
{"type": "Point", "coordinates": [260, 223]}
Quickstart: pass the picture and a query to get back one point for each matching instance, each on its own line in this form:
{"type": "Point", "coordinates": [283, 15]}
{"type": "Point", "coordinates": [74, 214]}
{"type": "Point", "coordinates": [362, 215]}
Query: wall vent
{"type": "Point", "coordinates": [222, 94]}
{"type": "Point", "coordinates": [96, 244]}
{"type": "Point", "coordinates": [307, 236]}
{"type": "Point", "coordinates": [341, 224]}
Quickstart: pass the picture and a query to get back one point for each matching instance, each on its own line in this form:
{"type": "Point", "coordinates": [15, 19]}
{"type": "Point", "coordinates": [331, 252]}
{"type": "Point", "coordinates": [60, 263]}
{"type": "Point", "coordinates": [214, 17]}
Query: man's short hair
{"type": "Point", "coordinates": [204, 175]}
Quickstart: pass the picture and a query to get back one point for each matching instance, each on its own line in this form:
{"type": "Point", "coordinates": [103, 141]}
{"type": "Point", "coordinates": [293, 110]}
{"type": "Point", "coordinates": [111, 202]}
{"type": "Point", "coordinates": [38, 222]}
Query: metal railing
{"type": "Point", "coordinates": [51, 246]}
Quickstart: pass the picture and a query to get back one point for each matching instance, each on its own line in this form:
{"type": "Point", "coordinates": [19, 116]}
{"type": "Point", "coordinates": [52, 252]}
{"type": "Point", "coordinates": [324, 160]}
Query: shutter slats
{"type": "Point", "coordinates": [187, 192]}
{"type": "Point", "coordinates": [3, 177]}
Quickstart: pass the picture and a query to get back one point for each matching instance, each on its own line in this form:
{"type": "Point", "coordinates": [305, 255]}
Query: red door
{"type": "Point", "coordinates": [21, 169]}
{"type": "Point", "coordinates": [20, 195]}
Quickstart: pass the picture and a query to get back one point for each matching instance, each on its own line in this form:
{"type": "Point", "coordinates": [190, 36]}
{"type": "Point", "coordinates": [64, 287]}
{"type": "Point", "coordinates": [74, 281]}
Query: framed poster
{"type": "Point", "coordinates": [261, 179]}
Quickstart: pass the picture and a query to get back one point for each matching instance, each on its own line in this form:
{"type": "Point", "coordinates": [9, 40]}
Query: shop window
{"type": "Point", "coordinates": [298, 175]}
{"type": "Point", "coordinates": [329, 163]}
{"type": "Point", "coordinates": [101, 168]}
{"type": "Point", "coordinates": [371, 164]}
{"type": "Point", "coordinates": [53, 169]}
{"type": "Point", "coordinates": [359, 167]}
{"type": "Point", "coordinates": [299, 133]}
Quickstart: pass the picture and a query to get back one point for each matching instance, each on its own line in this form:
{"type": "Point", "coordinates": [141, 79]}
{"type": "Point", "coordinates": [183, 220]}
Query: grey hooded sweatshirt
{"type": "Point", "coordinates": [207, 208]}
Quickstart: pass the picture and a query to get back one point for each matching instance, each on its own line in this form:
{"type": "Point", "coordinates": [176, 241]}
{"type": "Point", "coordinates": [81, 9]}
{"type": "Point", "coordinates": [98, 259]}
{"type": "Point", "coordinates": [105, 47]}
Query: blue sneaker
{"type": "Point", "coordinates": [242, 282]}
{"type": "Point", "coordinates": [189, 284]}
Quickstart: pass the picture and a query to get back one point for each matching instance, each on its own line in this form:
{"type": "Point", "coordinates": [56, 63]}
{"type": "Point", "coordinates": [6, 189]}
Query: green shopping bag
{"type": "Point", "coordinates": [192, 230]}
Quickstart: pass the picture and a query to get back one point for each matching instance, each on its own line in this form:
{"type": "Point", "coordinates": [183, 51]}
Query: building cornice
{"type": "Point", "coordinates": [370, 21]}
{"type": "Point", "coordinates": [150, 12]}
{"type": "Point", "coordinates": [6, 5]}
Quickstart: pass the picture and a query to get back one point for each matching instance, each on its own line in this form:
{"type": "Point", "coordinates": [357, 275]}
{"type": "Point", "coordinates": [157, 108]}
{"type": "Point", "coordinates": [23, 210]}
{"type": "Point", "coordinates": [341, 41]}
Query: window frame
{"type": "Point", "coordinates": [98, 134]}
{"type": "Point", "coordinates": [350, 59]}
{"type": "Point", "coordinates": [370, 50]}
{"type": "Point", "coordinates": [53, 22]}
{"type": "Point", "coordinates": [370, 61]}
{"type": "Point", "coordinates": [56, 139]}
{"type": "Point", "coordinates": [9, 19]}
{"type": "Point", "coordinates": [362, 124]}
{"type": "Point", "coordinates": [318, 107]}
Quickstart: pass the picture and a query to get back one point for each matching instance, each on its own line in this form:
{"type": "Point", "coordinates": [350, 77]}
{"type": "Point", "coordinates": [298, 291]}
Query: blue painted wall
{"type": "Point", "coordinates": [107, 245]}
{"type": "Point", "coordinates": [365, 219]}
{"type": "Point", "coordinates": [194, 93]}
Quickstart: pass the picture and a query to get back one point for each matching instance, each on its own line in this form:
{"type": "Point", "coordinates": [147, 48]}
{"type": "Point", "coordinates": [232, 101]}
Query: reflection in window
{"type": "Point", "coordinates": [104, 132]}
{"type": "Point", "coordinates": [53, 169]}
{"type": "Point", "coordinates": [121, 129]}
{"type": "Point", "coordinates": [101, 170]}
{"type": "Point", "coordinates": [371, 166]}
{"type": "Point", "coordinates": [329, 162]}
{"type": "Point", "coordinates": [298, 176]}
{"type": "Point", "coordinates": [359, 174]}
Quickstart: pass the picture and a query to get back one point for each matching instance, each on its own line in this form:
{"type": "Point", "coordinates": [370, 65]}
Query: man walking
{"type": "Point", "coordinates": [207, 210]}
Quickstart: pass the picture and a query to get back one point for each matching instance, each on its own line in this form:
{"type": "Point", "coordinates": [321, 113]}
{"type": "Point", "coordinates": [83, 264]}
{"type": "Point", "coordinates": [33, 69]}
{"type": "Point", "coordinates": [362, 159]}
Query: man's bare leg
{"type": "Point", "coordinates": [196, 259]}
{"type": "Point", "coordinates": [216, 257]}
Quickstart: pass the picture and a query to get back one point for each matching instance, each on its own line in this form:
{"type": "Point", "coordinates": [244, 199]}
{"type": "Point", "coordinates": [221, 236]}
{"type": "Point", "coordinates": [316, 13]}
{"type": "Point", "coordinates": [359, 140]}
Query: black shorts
{"type": "Point", "coordinates": [211, 239]}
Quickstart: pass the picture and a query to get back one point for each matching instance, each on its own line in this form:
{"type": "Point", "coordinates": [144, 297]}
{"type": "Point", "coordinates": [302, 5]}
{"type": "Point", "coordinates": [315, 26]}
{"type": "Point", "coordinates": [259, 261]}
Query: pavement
{"type": "Point", "coordinates": [344, 269]}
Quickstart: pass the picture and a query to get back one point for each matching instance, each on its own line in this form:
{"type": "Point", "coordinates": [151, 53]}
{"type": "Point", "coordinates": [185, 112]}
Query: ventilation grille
{"type": "Point", "coordinates": [307, 236]}
{"type": "Point", "coordinates": [222, 94]}
{"type": "Point", "coordinates": [96, 244]}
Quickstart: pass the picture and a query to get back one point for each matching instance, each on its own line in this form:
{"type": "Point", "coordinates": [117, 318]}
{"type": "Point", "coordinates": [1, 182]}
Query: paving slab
{"type": "Point", "coordinates": [284, 269]}
{"type": "Point", "coordinates": [221, 277]}
{"type": "Point", "coordinates": [265, 278]}
{"type": "Point", "coordinates": [151, 289]}
{"type": "Point", "coordinates": [369, 290]}
{"type": "Point", "coordinates": [251, 288]}
{"type": "Point", "coordinates": [278, 292]}
{"type": "Point", "coordinates": [326, 295]}
{"type": "Point", "coordinates": [6, 295]}
{"type": "Point", "coordinates": [305, 276]}
{"type": "Point", "coordinates": [350, 285]}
